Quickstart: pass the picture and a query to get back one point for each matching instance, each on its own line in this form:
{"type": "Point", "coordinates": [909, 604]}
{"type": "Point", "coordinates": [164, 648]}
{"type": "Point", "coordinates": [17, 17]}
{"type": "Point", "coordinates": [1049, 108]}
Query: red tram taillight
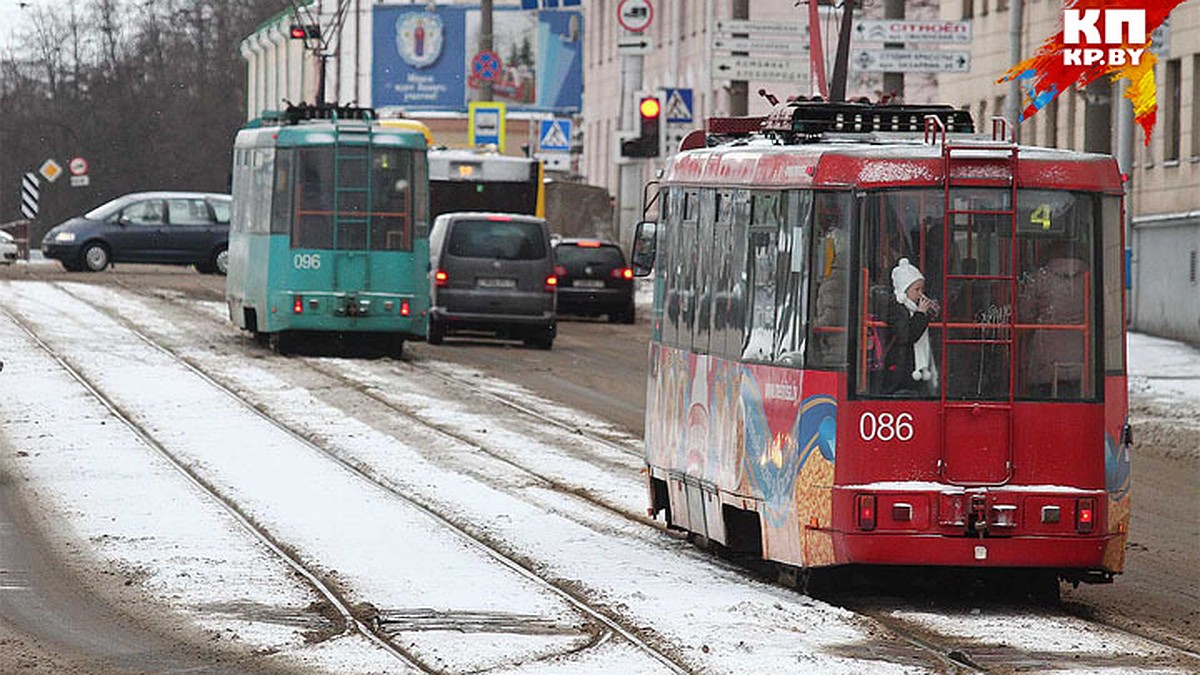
{"type": "Point", "coordinates": [404, 308]}
{"type": "Point", "coordinates": [866, 512]}
{"type": "Point", "coordinates": [551, 284]}
{"type": "Point", "coordinates": [1085, 515]}
{"type": "Point", "coordinates": [298, 304]}
{"type": "Point", "coordinates": [440, 277]}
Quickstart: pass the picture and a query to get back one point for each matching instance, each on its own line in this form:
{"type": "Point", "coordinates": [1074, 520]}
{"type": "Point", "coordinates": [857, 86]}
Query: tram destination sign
{"type": "Point", "coordinates": [913, 32]}
{"type": "Point", "coordinates": [905, 61]}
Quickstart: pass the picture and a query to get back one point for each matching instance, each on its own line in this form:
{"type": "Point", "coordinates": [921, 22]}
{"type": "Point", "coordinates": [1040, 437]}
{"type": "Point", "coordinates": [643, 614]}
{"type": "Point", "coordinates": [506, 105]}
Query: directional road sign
{"type": "Point", "coordinates": [760, 28]}
{"type": "Point", "coordinates": [554, 134]}
{"type": "Point", "coordinates": [762, 69]}
{"type": "Point", "coordinates": [781, 44]}
{"type": "Point", "coordinates": [633, 45]}
{"type": "Point", "coordinates": [913, 32]}
{"type": "Point", "coordinates": [905, 61]}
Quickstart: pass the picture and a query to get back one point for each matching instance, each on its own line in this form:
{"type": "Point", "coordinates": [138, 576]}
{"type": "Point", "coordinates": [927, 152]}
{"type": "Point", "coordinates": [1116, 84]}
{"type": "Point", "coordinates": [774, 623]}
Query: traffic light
{"type": "Point", "coordinates": [302, 31]}
{"type": "Point", "coordinates": [649, 140]}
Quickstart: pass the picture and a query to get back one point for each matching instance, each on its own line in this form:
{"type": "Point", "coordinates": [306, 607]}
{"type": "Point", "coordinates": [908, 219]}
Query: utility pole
{"type": "Point", "coordinates": [1012, 106]}
{"type": "Point", "coordinates": [485, 41]}
{"type": "Point", "coordinates": [893, 83]}
{"type": "Point", "coordinates": [629, 173]}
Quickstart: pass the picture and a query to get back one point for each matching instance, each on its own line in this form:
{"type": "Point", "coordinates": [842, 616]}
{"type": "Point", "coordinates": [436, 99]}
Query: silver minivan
{"type": "Point", "coordinates": [492, 273]}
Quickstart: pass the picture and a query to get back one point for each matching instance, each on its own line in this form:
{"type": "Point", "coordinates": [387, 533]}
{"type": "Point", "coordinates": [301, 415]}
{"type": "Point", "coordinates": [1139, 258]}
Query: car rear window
{"type": "Point", "coordinates": [572, 255]}
{"type": "Point", "coordinates": [505, 240]}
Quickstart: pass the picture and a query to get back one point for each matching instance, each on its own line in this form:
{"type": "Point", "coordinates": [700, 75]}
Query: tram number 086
{"type": "Point", "coordinates": [885, 427]}
{"type": "Point", "coordinates": [307, 261]}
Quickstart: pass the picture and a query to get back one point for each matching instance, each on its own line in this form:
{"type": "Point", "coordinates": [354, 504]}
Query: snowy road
{"type": "Point", "coordinates": [464, 536]}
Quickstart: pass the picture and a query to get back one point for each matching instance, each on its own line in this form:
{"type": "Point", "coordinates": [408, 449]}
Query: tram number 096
{"type": "Point", "coordinates": [307, 261]}
{"type": "Point", "coordinates": [885, 427]}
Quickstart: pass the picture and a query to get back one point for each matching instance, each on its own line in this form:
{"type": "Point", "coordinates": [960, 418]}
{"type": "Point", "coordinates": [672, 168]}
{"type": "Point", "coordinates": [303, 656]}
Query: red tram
{"type": "Point", "coordinates": [780, 419]}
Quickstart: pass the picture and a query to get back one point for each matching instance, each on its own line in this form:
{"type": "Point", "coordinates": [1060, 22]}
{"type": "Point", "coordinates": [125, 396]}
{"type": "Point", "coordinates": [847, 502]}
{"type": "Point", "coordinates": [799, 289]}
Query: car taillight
{"type": "Point", "coordinates": [404, 308]}
{"type": "Point", "coordinates": [1085, 515]}
{"type": "Point", "coordinates": [866, 512]}
{"type": "Point", "coordinates": [298, 304]}
{"type": "Point", "coordinates": [622, 273]}
{"type": "Point", "coordinates": [589, 244]}
{"type": "Point", "coordinates": [560, 270]}
{"type": "Point", "coordinates": [551, 284]}
{"type": "Point", "coordinates": [440, 277]}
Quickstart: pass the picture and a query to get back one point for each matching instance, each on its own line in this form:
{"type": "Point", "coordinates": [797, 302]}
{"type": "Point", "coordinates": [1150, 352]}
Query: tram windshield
{"type": "Point", "coordinates": [345, 202]}
{"type": "Point", "coordinates": [959, 304]}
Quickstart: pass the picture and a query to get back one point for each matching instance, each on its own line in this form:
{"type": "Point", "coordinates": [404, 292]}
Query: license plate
{"type": "Point", "coordinates": [497, 283]}
{"type": "Point", "coordinates": [589, 283]}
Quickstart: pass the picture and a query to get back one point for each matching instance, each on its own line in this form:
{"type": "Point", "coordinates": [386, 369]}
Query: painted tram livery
{"type": "Point", "coordinates": [776, 422]}
{"type": "Point", "coordinates": [330, 228]}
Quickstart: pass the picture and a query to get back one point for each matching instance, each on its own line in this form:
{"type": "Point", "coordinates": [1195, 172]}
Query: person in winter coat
{"type": "Point", "coordinates": [1055, 296]}
{"type": "Point", "coordinates": [909, 366]}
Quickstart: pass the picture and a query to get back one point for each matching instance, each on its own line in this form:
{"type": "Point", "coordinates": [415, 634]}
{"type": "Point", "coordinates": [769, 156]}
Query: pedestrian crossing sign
{"type": "Point", "coordinates": [677, 103]}
{"type": "Point", "coordinates": [554, 135]}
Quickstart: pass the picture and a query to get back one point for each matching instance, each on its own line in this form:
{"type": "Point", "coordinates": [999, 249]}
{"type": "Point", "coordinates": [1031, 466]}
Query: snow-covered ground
{"type": "Point", "coordinates": [115, 502]}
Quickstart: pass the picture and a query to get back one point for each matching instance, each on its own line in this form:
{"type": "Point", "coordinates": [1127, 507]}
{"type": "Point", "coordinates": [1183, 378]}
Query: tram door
{"type": "Point", "coordinates": [977, 333]}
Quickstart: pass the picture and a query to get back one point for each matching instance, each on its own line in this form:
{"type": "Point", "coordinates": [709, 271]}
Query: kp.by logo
{"type": "Point", "coordinates": [1079, 27]}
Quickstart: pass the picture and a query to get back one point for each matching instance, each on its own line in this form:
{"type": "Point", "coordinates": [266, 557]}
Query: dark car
{"type": "Point", "coordinates": [593, 279]}
{"type": "Point", "coordinates": [493, 273]}
{"type": "Point", "coordinates": [174, 228]}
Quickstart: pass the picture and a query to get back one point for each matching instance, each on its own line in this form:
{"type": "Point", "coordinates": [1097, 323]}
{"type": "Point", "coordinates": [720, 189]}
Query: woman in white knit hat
{"type": "Point", "coordinates": [909, 365]}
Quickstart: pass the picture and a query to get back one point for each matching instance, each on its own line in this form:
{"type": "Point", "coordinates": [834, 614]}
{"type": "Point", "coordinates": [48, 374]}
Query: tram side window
{"type": "Point", "coordinates": [729, 295]}
{"type": "Point", "coordinates": [1114, 287]}
{"type": "Point", "coordinates": [762, 256]}
{"type": "Point", "coordinates": [714, 205]}
{"type": "Point", "coordinates": [313, 227]}
{"type": "Point", "coordinates": [792, 301]}
{"type": "Point", "coordinates": [669, 263]}
{"type": "Point", "coordinates": [281, 197]}
{"type": "Point", "coordinates": [830, 266]}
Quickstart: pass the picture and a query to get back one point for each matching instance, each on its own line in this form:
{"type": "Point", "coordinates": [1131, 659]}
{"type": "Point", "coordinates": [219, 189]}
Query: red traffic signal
{"type": "Point", "coordinates": [650, 107]}
{"type": "Point", "coordinates": [648, 142]}
{"type": "Point", "coordinates": [300, 32]}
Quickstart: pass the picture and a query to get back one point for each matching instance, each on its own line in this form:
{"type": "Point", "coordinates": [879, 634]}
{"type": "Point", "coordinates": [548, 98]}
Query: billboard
{"type": "Point", "coordinates": [429, 60]}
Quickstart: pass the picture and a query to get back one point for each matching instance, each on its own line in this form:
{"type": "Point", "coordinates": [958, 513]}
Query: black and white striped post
{"type": "Point", "coordinates": [29, 195]}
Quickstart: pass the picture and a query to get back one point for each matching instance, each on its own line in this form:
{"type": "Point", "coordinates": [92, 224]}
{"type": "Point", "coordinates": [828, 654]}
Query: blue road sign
{"type": "Point", "coordinates": [677, 104]}
{"type": "Point", "coordinates": [554, 135]}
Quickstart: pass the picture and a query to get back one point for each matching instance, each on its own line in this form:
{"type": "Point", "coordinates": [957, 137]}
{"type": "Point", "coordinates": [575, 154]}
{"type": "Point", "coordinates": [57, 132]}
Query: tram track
{"type": "Point", "coordinates": [951, 654]}
{"type": "Point", "coordinates": [379, 625]}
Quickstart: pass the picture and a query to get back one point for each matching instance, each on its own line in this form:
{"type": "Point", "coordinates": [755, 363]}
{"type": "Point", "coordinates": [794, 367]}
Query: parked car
{"type": "Point", "coordinates": [493, 273]}
{"type": "Point", "coordinates": [174, 228]}
{"type": "Point", "coordinates": [593, 279]}
{"type": "Point", "coordinates": [8, 248]}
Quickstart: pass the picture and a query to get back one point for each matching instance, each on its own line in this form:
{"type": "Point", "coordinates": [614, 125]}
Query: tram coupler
{"type": "Point", "coordinates": [977, 519]}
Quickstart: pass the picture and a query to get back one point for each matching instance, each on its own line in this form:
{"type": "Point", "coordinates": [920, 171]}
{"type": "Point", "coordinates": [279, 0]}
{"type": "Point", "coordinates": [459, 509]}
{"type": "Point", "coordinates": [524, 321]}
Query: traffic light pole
{"type": "Point", "coordinates": [630, 178]}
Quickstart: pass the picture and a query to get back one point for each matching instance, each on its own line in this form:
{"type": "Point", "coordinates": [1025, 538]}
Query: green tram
{"type": "Point", "coordinates": [330, 229]}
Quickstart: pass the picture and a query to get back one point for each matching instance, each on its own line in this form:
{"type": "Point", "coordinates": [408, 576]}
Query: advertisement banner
{"type": "Point", "coordinates": [429, 60]}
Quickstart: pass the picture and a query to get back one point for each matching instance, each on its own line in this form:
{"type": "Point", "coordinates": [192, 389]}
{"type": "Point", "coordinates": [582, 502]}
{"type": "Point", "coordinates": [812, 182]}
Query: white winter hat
{"type": "Point", "coordinates": [903, 276]}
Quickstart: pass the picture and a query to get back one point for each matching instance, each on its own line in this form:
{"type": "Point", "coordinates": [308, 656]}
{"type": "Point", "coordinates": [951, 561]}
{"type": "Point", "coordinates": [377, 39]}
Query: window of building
{"type": "Point", "coordinates": [1172, 99]}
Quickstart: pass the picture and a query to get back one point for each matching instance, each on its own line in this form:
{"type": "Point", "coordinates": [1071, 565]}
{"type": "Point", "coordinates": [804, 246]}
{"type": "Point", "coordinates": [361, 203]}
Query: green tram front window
{"type": "Point", "coordinates": [1011, 312]}
{"type": "Point", "coordinates": [358, 206]}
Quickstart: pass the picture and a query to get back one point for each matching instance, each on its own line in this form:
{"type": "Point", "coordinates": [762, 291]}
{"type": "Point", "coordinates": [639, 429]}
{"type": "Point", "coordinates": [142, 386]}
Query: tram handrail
{"type": "Point", "coordinates": [934, 125]}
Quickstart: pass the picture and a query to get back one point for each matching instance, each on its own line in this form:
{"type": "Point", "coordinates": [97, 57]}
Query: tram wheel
{"type": "Point", "coordinates": [281, 343]}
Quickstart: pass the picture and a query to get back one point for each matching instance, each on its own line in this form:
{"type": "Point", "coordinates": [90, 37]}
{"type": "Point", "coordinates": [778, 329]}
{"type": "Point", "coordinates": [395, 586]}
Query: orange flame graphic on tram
{"type": "Point", "coordinates": [1092, 49]}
